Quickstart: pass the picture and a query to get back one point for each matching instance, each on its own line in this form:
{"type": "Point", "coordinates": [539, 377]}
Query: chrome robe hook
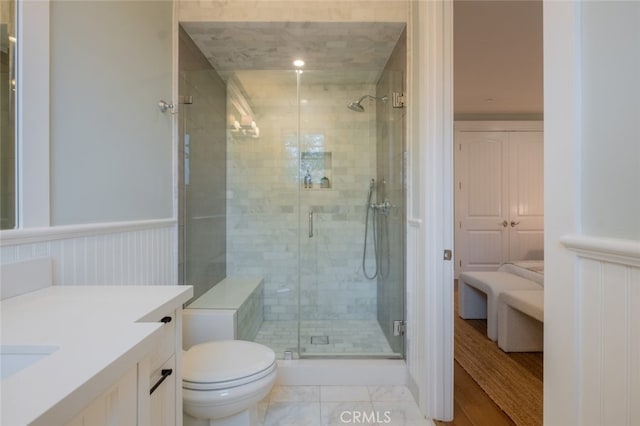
{"type": "Point", "coordinates": [164, 106]}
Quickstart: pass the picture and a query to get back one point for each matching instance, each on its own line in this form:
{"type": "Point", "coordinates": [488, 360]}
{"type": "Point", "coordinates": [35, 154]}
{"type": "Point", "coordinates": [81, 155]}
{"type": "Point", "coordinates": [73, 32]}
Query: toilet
{"type": "Point", "coordinates": [224, 380]}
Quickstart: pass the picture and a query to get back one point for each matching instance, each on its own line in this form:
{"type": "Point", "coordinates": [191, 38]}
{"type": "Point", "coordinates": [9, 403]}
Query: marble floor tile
{"type": "Point", "coordinates": [295, 394]}
{"type": "Point", "coordinates": [293, 414]}
{"type": "Point", "coordinates": [390, 393]}
{"type": "Point", "coordinates": [340, 406]}
{"type": "Point", "coordinates": [349, 412]}
{"type": "Point", "coordinates": [344, 393]}
{"type": "Point", "coordinates": [345, 337]}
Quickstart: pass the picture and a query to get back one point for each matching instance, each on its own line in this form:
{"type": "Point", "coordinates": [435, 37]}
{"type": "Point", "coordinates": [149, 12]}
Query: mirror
{"type": "Point", "coordinates": [7, 114]}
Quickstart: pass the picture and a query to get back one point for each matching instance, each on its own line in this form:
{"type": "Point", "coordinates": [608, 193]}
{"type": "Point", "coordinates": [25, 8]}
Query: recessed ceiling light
{"type": "Point", "coordinates": [298, 63]}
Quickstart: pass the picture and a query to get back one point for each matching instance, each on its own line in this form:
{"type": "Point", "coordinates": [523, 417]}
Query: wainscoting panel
{"type": "Point", "coordinates": [134, 254]}
{"type": "Point", "coordinates": [608, 334]}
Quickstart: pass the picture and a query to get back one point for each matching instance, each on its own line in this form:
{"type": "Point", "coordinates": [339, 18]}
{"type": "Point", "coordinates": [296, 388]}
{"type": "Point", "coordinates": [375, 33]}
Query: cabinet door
{"type": "Point", "coordinates": [117, 406]}
{"type": "Point", "coordinates": [526, 200]}
{"type": "Point", "coordinates": [481, 202]}
{"type": "Point", "coordinates": [159, 387]}
{"type": "Point", "coordinates": [162, 404]}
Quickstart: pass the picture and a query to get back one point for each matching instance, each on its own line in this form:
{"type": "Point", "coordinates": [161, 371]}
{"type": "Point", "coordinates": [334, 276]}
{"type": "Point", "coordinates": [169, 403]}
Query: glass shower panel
{"type": "Point", "coordinates": [203, 147]}
{"type": "Point", "coordinates": [390, 223]}
{"type": "Point", "coordinates": [8, 114]}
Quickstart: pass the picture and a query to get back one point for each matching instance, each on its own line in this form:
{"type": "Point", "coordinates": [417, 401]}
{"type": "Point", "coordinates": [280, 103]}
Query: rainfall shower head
{"type": "Point", "coordinates": [357, 105]}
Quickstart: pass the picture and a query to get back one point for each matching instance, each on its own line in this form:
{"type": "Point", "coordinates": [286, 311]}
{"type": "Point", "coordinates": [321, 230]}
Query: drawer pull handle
{"type": "Point", "coordinates": [165, 373]}
{"type": "Point", "coordinates": [166, 320]}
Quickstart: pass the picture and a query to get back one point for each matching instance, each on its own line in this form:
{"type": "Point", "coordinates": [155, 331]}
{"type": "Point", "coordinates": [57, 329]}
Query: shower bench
{"type": "Point", "coordinates": [231, 309]}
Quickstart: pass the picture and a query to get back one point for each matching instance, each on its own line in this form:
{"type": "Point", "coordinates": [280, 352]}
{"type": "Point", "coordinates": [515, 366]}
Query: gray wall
{"type": "Point", "coordinates": [611, 117]}
{"type": "Point", "coordinates": [111, 147]}
{"type": "Point", "coordinates": [203, 177]}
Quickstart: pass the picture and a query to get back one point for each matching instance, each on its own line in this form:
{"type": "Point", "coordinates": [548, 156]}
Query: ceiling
{"type": "Point", "coordinates": [497, 53]}
{"type": "Point", "coordinates": [231, 46]}
{"type": "Point", "coordinates": [258, 56]}
{"type": "Point", "coordinates": [498, 58]}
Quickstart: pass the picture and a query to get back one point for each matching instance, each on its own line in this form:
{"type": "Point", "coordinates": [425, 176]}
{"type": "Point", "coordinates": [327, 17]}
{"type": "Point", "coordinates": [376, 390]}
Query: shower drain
{"type": "Point", "coordinates": [319, 340]}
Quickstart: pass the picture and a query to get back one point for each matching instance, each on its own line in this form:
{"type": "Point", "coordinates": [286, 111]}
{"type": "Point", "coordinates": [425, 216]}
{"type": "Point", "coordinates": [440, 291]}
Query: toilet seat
{"type": "Point", "coordinates": [226, 364]}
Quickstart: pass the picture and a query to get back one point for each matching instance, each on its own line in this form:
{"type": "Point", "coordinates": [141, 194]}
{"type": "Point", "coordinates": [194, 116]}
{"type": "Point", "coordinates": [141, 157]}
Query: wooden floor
{"type": "Point", "coordinates": [471, 405]}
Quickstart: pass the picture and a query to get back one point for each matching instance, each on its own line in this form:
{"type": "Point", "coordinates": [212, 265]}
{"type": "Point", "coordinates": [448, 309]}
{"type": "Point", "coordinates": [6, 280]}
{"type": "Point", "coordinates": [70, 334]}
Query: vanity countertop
{"type": "Point", "coordinates": [99, 331]}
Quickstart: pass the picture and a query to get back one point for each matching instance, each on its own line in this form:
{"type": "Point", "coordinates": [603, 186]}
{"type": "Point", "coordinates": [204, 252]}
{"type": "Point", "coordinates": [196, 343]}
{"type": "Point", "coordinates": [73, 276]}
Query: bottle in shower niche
{"type": "Point", "coordinates": [307, 180]}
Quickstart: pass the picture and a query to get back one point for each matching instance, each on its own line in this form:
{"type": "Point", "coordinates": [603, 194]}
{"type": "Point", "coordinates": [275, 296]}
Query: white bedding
{"type": "Point", "coordinates": [530, 269]}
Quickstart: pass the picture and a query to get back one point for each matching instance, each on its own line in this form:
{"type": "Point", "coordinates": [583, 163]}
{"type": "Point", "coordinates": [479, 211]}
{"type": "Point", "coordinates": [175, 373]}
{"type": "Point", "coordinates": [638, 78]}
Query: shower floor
{"type": "Point", "coordinates": [345, 338]}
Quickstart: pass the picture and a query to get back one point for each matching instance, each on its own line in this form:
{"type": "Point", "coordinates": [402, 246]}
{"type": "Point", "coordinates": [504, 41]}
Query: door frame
{"type": "Point", "coordinates": [429, 280]}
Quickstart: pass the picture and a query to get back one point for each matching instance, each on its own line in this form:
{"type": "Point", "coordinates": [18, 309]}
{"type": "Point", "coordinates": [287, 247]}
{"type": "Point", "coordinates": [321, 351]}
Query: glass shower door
{"type": "Point", "coordinates": [262, 196]}
{"type": "Point", "coordinates": [339, 304]}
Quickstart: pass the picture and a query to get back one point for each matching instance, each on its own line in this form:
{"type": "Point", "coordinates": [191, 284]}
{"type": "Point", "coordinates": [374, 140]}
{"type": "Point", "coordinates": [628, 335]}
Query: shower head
{"type": "Point", "coordinates": [357, 105]}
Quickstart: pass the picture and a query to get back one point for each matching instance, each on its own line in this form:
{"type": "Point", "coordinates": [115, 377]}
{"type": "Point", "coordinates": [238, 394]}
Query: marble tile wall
{"type": "Point", "coordinates": [286, 10]}
{"type": "Point", "coordinates": [250, 315]}
{"type": "Point", "coordinates": [267, 204]}
{"type": "Point", "coordinates": [323, 45]}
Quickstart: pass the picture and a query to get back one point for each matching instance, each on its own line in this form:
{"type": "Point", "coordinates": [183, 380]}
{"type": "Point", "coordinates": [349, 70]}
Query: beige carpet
{"type": "Point", "coordinates": [512, 387]}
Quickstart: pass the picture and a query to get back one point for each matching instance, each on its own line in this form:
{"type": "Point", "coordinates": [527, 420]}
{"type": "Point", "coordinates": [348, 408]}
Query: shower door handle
{"type": "Point", "coordinates": [310, 223]}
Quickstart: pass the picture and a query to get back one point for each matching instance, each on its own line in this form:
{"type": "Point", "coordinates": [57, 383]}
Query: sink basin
{"type": "Point", "coordinates": [14, 358]}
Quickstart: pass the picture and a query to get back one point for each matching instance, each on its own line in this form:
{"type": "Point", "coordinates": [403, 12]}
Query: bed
{"type": "Point", "coordinates": [530, 269]}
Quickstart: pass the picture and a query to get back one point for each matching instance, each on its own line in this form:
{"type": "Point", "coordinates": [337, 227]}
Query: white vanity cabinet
{"type": "Point", "coordinates": [113, 346]}
{"type": "Point", "coordinates": [148, 394]}
{"type": "Point", "coordinates": [160, 392]}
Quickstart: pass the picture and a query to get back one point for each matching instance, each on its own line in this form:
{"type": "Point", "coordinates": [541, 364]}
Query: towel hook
{"type": "Point", "coordinates": [164, 106]}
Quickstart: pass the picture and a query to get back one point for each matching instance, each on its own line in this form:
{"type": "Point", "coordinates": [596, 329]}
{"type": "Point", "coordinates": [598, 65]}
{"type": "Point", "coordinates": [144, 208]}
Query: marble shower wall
{"type": "Point", "coordinates": [267, 204]}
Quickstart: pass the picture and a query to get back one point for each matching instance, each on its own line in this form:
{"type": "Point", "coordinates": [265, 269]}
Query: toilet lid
{"type": "Point", "coordinates": [226, 361]}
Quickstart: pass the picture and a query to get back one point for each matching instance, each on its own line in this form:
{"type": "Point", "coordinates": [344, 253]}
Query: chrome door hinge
{"type": "Point", "coordinates": [397, 100]}
{"type": "Point", "coordinates": [399, 328]}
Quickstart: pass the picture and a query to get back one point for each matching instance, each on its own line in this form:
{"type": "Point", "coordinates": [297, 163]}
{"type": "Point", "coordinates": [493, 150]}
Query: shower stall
{"type": "Point", "coordinates": [295, 174]}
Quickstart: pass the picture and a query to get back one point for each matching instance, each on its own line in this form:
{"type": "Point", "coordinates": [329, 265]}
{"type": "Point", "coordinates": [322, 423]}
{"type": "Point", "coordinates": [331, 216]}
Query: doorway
{"type": "Point", "coordinates": [497, 87]}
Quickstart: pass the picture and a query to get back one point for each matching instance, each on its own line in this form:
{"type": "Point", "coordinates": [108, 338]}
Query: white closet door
{"type": "Point", "coordinates": [526, 183]}
{"type": "Point", "coordinates": [482, 207]}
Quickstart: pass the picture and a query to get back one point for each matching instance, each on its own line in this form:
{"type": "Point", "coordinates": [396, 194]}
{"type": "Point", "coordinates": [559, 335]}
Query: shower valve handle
{"type": "Point", "coordinates": [383, 207]}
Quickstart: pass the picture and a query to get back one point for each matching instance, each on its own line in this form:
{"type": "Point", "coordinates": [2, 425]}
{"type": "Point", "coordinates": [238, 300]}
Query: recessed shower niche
{"type": "Point", "coordinates": [316, 169]}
